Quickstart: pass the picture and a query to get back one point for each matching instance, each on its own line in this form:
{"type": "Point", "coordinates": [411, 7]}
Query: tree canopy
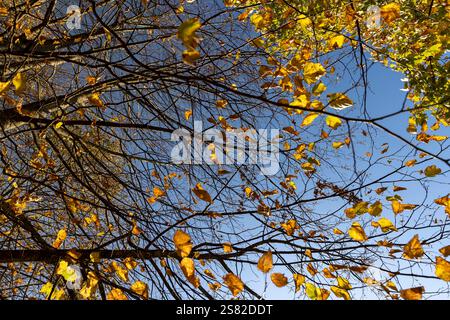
{"type": "Point", "coordinates": [92, 205]}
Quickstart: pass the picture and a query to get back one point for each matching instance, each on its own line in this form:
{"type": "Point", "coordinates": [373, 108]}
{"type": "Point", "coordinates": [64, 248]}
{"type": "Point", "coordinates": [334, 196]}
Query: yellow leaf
{"type": "Point", "coordinates": [337, 145]}
{"type": "Point", "coordinates": [390, 12]}
{"type": "Point", "coordinates": [445, 251]}
{"type": "Point", "coordinates": [308, 253]}
{"type": "Point", "coordinates": [234, 284]}
{"type": "Point", "coordinates": [47, 289]}
{"type": "Point", "coordinates": [4, 86]}
{"type": "Point", "coordinates": [356, 232]}
{"type": "Point", "coordinates": [337, 41]}
{"type": "Point", "coordinates": [141, 288]}
{"type": "Point", "coordinates": [290, 226]}
{"type": "Point", "coordinates": [385, 225]}
{"type": "Point", "coordinates": [91, 80]}
{"type": "Point", "coordinates": [442, 269]}
{"type": "Point", "coordinates": [313, 72]}
{"type": "Point", "coordinates": [398, 207]}
{"type": "Point", "coordinates": [66, 271]}
{"type": "Point", "coordinates": [130, 263]}
{"type": "Point", "coordinates": [307, 166]}
{"type": "Point", "coordinates": [313, 271]}
{"type": "Point", "coordinates": [279, 279]}
{"type": "Point", "coordinates": [298, 280]}
{"type": "Point", "coordinates": [19, 82]}
{"type": "Point", "coordinates": [412, 293]}
{"type": "Point", "coordinates": [96, 101]}
{"type": "Point", "coordinates": [157, 193]}
{"type": "Point", "coordinates": [183, 244]}
{"type": "Point", "coordinates": [187, 265]}
{"type": "Point", "coordinates": [391, 285]}
{"type": "Point", "coordinates": [135, 230]}
{"type": "Point", "coordinates": [413, 249]}
{"type": "Point", "coordinates": [333, 122]}
{"type": "Point", "coordinates": [90, 286]}
{"type": "Point", "coordinates": [339, 101]}
{"type": "Point", "coordinates": [202, 193]}
{"type": "Point", "coordinates": [309, 119]}
{"type": "Point", "coordinates": [444, 201]}
{"type": "Point", "coordinates": [221, 103]}
{"type": "Point", "coordinates": [188, 114]}
{"type": "Point", "coordinates": [340, 293]}
{"type": "Point", "coordinates": [214, 286]}
{"type": "Point", "coordinates": [438, 138]}
{"type": "Point", "coordinates": [337, 231]}
{"type": "Point", "coordinates": [120, 271]}
{"type": "Point", "coordinates": [61, 236]}
{"type": "Point", "coordinates": [116, 294]}
{"type": "Point", "coordinates": [319, 88]}
{"type": "Point", "coordinates": [186, 32]}
{"type": "Point", "coordinates": [327, 273]}
{"type": "Point", "coordinates": [258, 42]}
{"type": "Point", "coordinates": [227, 248]}
{"type": "Point", "coordinates": [315, 293]}
{"type": "Point", "coordinates": [209, 274]}
{"type": "Point", "coordinates": [344, 283]}
{"type": "Point", "coordinates": [265, 262]}
{"type": "Point", "coordinates": [59, 125]}
{"type": "Point", "coordinates": [311, 291]}
{"type": "Point", "coordinates": [95, 257]}
{"type": "Point", "coordinates": [432, 171]}
{"type": "Point", "coordinates": [304, 21]}
{"type": "Point", "coordinates": [190, 56]}
{"type": "Point", "coordinates": [3, 11]}
{"type": "Point", "coordinates": [375, 209]}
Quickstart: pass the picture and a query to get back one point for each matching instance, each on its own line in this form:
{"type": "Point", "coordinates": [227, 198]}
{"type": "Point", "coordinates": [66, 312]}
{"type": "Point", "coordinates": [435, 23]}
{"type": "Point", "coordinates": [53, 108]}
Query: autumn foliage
{"type": "Point", "coordinates": [93, 207]}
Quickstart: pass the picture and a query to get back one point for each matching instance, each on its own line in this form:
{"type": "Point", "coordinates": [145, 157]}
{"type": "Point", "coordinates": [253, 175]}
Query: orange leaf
{"type": "Point", "coordinates": [265, 263]}
{"type": "Point", "coordinates": [233, 283]}
{"type": "Point", "coordinates": [279, 279]}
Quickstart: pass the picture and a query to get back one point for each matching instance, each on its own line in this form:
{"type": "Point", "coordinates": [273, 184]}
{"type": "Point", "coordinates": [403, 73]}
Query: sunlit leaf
{"type": "Point", "coordinates": [412, 293]}
{"type": "Point", "coordinates": [432, 171]}
{"type": "Point", "coordinates": [390, 12]}
{"type": "Point", "coordinates": [19, 82]}
{"type": "Point", "coordinates": [202, 193]}
{"type": "Point", "coordinates": [413, 249]}
{"type": "Point", "coordinates": [442, 269]}
{"type": "Point", "coordinates": [182, 243]}
{"type": "Point", "coordinates": [385, 224]}
{"type": "Point", "coordinates": [140, 288]}
{"type": "Point", "coordinates": [445, 251]}
{"type": "Point", "coordinates": [309, 119]}
{"type": "Point", "coordinates": [265, 262]}
{"type": "Point", "coordinates": [340, 293]}
{"type": "Point", "coordinates": [298, 280]}
{"type": "Point", "coordinates": [313, 72]}
{"type": "Point", "coordinates": [356, 232]}
{"type": "Point", "coordinates": [186, 32]}
{"type": "Point", "coordinates": [116, 294]}
{"type": "Point", "coordinates": [339, 101]}
{"type": "Point", "coordinates": [60, 237]}
{"type": "Point", "coordinates": [234, 284]}
{"type": "Point", "coordinates": [279, 279]}
{"type": "Point", "coordinates": [333, 122]}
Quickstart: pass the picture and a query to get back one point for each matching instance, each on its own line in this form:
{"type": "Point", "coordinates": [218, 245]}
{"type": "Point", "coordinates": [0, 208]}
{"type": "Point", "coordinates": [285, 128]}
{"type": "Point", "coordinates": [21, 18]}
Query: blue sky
{"type": "Point", "coordinates": [384, 97]}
